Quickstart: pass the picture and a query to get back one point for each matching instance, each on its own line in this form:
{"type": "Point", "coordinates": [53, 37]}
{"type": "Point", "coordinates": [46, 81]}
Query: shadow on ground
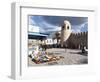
{"type": "Point", "coordinates": [84, 61]}
{"type": "Point", "coordinates": [80, 53]}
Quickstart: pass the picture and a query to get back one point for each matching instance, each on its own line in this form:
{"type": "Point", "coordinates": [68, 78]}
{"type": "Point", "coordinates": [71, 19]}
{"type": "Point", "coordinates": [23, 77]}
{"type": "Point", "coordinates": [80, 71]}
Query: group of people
{"type": "Point", "coordinates": [43, 56]}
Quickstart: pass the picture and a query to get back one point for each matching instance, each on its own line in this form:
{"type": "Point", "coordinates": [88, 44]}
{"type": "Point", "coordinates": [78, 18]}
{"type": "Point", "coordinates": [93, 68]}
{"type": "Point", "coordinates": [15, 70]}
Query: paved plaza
{"type": "Point", "coordinates": [71, 57]}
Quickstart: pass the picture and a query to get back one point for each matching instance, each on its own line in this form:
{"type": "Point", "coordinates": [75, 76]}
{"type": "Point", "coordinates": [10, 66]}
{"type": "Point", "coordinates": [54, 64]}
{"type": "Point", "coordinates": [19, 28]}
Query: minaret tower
{"type": "Point", "coordinates": [65, 32]}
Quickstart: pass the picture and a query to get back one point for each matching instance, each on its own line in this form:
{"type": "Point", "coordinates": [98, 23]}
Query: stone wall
{"type": "Point", "coordinates": [77, 40]}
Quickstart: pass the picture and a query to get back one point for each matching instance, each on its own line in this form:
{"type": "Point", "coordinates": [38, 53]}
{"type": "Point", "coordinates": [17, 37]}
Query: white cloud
{"type": "Point", "coordinates": [79, 28]}
{"type": "Point", "coordinates": [31, 21]}
{"type": "Point", "coordinates": [56, 28]}
{"type": "Point", "coordinates": [47, 27]}
{"type": "Point", "coordinates": [83, 25]}
{"type": "Point", "coordinates": [33, 28]}
{"type": "Point", "coordinates": [76, 30]}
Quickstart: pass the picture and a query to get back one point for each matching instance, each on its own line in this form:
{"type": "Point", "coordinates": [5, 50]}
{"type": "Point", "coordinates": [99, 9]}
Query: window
{"type": "Point", "coordinates": [67, 27]}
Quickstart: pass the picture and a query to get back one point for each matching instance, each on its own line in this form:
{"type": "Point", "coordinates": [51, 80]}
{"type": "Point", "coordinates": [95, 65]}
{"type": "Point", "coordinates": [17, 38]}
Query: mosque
{"type": "Point", "coordinates": [67, 38]}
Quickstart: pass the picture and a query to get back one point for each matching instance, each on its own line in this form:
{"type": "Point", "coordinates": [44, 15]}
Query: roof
{"type": "Point", "coordinates": [36, 35]}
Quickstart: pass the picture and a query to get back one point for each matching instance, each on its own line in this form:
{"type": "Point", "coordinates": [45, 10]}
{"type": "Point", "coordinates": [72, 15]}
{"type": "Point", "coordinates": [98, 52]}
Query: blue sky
{"type": "Point", "coordinates": [53, 23]}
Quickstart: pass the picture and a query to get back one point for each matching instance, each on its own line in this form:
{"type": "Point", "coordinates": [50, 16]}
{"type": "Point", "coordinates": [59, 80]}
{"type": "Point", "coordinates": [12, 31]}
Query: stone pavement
{"type": "Point", "coordinates": [71, 57]}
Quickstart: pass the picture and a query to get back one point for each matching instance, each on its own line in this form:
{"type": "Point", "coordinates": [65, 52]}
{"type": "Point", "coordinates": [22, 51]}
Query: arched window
{"type": "Point", "coordinates": [67, 27]}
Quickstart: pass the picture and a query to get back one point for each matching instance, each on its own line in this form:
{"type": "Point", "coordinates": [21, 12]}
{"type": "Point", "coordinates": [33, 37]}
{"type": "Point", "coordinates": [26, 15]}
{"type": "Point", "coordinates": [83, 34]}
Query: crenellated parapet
{"type": "Point", "coordinates": [78, 40]}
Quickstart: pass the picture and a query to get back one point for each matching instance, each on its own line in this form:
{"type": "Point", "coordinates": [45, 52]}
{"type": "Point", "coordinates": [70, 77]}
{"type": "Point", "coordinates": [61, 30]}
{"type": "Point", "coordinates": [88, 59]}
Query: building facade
{"type": "Point", "coordinates": [78, 40]}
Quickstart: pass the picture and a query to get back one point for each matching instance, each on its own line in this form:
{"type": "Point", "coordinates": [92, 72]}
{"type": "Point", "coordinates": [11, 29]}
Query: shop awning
{"type": "Point", "coordinates": [35, 35]}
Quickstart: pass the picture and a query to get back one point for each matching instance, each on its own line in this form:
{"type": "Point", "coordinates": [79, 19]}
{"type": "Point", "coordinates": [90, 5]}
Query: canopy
{"type": "Point", "coordinates": [36, 35]}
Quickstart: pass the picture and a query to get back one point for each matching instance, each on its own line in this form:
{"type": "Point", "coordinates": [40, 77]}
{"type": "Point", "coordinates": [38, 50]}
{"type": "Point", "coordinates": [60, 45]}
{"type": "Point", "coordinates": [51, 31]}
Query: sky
{"type": "Point", "coordinates": [48, 24]}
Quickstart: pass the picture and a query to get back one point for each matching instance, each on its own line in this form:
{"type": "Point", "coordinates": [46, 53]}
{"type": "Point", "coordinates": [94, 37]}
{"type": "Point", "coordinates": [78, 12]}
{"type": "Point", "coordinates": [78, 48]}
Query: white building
{"type": "Point", "coordinates": [55, 41]}
{"type": "Point", "coordinates": [49, 41]}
